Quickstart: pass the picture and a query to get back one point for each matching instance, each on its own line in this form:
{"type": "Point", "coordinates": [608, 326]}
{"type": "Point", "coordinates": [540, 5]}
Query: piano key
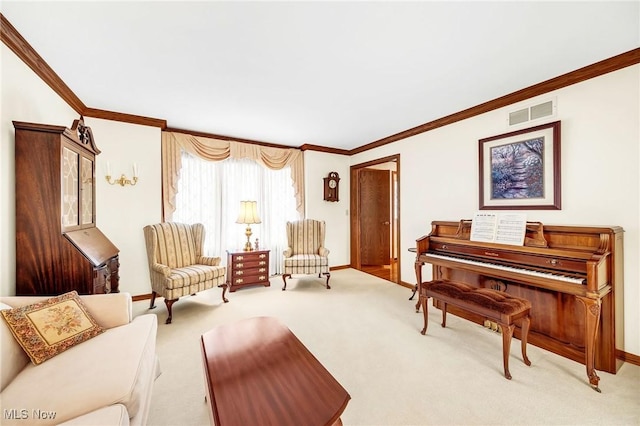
{"type": "Point", "coordinates": [524, 271]}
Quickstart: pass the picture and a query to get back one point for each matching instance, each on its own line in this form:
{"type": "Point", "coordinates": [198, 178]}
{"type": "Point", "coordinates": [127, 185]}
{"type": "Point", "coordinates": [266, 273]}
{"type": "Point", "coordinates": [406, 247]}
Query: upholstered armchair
{"type": "Point", "coordinates": [306, 253]}
{"type": "Point", "coordinates": [176, 264]}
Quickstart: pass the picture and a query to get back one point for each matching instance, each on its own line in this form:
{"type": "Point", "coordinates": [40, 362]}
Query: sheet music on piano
{"type": "Point", "coordinates": [502, 228]}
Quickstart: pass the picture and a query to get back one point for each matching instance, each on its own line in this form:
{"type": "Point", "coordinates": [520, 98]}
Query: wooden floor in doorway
{"type": "Point", "coordinates": [386, 272]}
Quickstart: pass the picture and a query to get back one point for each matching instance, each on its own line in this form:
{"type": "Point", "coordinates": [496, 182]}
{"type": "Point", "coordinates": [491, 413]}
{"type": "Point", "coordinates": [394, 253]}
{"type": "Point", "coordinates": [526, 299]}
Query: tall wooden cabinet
{"type": "Point", "coordinates": [58, 246]}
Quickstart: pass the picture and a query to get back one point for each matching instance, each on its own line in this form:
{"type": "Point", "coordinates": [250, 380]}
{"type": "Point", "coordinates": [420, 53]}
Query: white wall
{"type": "Point", "coordinates": [600, 179]}
{"type": "Point", "coordinates": [23, 97]}
{"type": "Point", "coordinates": [317, 166]}
{"type": "Point", "coordinates": [122, 212]}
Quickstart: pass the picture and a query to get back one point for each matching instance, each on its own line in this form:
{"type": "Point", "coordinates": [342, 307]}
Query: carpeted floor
{"type": "Point", "coordinates": [366, 332]}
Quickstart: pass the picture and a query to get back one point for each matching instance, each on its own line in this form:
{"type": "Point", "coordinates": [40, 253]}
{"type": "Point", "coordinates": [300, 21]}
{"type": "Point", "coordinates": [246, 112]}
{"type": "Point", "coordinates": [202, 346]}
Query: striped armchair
{"type": "Point", "coordinates": [306, 253]}
{"type": "Point", "coordinates": [176, 265]}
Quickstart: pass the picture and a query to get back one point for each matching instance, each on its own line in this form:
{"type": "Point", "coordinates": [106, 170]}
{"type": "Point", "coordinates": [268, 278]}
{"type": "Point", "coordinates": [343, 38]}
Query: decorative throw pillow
{"type": "Point", "coordinates": [48, 328]}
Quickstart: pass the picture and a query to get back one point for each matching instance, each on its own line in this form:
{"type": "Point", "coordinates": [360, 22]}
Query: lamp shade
{"type": "Point", "coordinates": [248, 212]}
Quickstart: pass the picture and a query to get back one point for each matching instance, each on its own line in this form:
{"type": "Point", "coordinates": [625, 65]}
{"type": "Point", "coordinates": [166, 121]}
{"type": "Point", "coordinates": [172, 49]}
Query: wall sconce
{"type": "Point", "coordinates": [123, 180]}
{"type": "Point", "coordinates": [248, 215]}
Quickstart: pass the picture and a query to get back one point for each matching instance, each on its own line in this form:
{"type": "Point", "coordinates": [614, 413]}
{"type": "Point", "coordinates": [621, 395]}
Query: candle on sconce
{"type": "Point", "coordinates": [123, 179]}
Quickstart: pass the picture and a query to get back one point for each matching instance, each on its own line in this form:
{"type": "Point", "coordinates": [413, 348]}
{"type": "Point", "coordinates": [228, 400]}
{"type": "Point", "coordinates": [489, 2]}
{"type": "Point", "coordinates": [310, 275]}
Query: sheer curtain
{"type": "Point", "coordinates": [212, 149]}
{"type": "Point", "coordinates": [210, 192]}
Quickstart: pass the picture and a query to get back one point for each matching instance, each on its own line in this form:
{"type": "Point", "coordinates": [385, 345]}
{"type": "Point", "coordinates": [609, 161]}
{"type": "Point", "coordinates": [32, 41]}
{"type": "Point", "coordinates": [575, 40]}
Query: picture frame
{"type": "Point", "coordinates": [520, 170]}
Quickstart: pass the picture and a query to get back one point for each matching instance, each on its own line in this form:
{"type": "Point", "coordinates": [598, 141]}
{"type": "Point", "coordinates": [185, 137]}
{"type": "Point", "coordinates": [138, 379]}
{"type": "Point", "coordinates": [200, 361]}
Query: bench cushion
{"type": "Point", "coordinates": [495, 300]}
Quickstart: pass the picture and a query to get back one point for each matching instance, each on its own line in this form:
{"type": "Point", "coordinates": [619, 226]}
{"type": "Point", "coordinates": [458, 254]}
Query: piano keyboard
{"type": "Point", "coordinates": [548, 275]}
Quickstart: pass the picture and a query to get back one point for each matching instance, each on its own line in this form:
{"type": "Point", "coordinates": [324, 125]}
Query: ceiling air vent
{"type": "Point", "coordinates": [517, 117]}
{"type": "Point", "coordinates": [533, 112]}
{"type": "Point", "coordinates": [541, 110]}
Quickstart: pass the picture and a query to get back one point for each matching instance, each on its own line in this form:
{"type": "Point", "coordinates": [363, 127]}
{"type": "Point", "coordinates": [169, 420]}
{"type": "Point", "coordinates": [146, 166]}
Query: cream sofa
{"type": "Point", "coordinates": [106, 380]}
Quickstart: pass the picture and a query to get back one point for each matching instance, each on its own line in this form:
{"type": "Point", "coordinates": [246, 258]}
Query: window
{"type": "Point", "coordinates": [209, 192]}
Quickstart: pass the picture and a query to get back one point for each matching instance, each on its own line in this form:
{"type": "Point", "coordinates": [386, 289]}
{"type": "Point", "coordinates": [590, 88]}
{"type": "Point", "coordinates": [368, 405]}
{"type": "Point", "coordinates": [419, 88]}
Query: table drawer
{"type": "Point", "coordinates": [249, 264]}
{"type": "Point", "coordinates": [247, 256]}
{"type": "Point", "coordinates": [250, 279]}
{"type": "Point", "coordinates": [263, 270]}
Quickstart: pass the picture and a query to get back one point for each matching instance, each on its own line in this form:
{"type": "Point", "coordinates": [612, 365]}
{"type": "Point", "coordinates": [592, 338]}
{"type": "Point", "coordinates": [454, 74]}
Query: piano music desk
{"type": "Point", "coordinates": [499, 306]}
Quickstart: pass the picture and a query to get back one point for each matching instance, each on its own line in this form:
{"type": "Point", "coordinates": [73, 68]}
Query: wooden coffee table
{"type": "Point", "coordinates": [257, 372]}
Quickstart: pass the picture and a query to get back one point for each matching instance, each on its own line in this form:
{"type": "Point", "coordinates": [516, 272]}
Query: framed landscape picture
{"type": "Point", "coordinates": [521, 169]}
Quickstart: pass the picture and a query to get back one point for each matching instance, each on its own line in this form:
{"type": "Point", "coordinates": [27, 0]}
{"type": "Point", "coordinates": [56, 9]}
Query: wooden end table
{"type": "Point", "coordinates": [246, 268]}
{"type": "Point", "coordinates": [257, 372]}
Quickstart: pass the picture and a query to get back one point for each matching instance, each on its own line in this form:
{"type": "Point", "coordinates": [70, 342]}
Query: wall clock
{"type": "Point", "coordinates": [331, 187]}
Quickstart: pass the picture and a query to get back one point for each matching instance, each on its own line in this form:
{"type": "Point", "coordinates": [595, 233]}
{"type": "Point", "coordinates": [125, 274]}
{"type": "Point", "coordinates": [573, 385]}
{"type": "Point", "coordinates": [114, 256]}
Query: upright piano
{"type": "Point", "coordinates": [573, 276]}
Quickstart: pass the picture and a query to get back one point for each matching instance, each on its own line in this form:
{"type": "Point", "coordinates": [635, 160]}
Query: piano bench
{"type": "Point", "coordinates": [498, 306]}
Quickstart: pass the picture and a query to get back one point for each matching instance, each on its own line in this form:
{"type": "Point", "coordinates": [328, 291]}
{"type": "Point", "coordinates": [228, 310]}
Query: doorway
{"type": "Point", "coordinates": [375, 213]}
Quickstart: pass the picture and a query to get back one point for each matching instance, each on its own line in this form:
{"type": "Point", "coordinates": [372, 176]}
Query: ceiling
{"type": "Point", "coordinates": [328, 73]}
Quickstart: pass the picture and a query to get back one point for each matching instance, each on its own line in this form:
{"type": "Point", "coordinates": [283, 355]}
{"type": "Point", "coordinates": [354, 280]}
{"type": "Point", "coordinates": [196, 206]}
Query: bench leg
{"type": "Point", "coordinates": [423, 301]}
{"type": "Point", "coordinates": [526, 321]}
{"type": "Point", "coordinates": [444, 314]}
{"type": "Point", "coordinates": [507, 333]}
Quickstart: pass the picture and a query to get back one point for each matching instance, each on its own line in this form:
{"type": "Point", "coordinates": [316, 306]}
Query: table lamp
{"type": "Point", "coordinates": [248, 215]}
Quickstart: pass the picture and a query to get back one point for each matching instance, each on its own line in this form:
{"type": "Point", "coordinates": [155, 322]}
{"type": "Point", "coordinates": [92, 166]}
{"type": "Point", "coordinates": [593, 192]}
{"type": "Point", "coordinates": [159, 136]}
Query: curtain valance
{"type": "Point", "coordinates": [173, 143]}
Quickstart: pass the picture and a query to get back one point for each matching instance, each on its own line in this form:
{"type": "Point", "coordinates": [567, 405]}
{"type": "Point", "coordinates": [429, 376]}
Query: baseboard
{"type": "Point", "coordinates": [627, 357]}
{"type": "Point", "coordinates": [141, 297]}
{"type": "Point", "coordinates": [407, 285]}
{"type": "Point", "coordinates": [148, 295]}
{"type": "Point", "coordinates": [336, 268]}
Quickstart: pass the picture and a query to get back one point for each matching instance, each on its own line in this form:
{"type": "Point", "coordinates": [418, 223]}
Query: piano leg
{"type": "Point", "coordinates": [592, 319]}
{"type": "Point", "coordinates": [418, 267]}
{"type": "Point", "coordinates": [423, 300]}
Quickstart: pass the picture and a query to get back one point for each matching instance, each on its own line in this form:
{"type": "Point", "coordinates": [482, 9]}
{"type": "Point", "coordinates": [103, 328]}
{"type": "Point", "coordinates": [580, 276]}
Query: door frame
{"type": "Point", "coordinates": [356, 261]}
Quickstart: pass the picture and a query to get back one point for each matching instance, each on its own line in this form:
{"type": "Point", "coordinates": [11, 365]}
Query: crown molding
{"type": "Point", "coordinates": [227, 138]}
{"type": "Point", "coordinates": [126, 118]}
{"type": "Point", "coordinates": [310, 147]}
{"type": "Point", "coordinates": [14, 41]}
{"type": "Point", "coordinates": [614, 63]}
